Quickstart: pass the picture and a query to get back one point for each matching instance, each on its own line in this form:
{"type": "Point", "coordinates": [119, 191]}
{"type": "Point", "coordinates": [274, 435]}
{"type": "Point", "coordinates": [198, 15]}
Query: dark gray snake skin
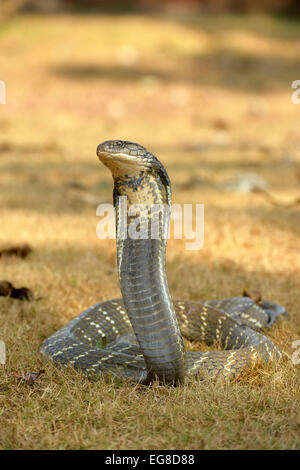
{"type": "Point", "coordinates": [139, 337]}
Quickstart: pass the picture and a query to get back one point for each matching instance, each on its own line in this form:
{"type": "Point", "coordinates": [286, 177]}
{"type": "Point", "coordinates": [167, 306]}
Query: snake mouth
{"type": "Point", "coordinates": [104, 155]}
{"type": "Point", "coordinates": [120, 162]}
{"type": "Point", "coordinates": [110, 151]}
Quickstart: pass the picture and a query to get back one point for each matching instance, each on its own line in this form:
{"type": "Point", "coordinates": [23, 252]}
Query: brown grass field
{"type": "Point", "coordinates": [211, 97]}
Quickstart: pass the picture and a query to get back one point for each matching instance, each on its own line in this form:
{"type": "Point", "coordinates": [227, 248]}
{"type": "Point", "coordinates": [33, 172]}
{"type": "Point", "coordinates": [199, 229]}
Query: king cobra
{"type": "Point", "coordinates": [140, 337]}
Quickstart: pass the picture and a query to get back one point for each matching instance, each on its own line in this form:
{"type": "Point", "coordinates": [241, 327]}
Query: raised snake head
{"type": "Point", "coordinates": [129, 161]}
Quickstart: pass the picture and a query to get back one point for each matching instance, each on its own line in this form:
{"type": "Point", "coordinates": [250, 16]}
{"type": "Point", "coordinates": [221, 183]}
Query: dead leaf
{"type": "Point", "coordinates": [255, 295]}
{"type": "Point", "coordinates": [21, 251]}
{"type": "Point", "coordinates": [30, 377]}
{"type": "Point", "coordinates": [220, 124]}
{"type": "Point", "coordinates": [8, 290]}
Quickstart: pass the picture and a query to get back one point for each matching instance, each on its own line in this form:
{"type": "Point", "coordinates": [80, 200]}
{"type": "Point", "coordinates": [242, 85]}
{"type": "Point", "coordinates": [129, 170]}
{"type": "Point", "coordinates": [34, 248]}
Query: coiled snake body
{"type": "Point", "coordinates": [139, 337]}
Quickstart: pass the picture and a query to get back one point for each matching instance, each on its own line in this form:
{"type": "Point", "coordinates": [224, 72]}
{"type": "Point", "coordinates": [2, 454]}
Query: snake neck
{"type": "Point", "coordinates": [141, 245]}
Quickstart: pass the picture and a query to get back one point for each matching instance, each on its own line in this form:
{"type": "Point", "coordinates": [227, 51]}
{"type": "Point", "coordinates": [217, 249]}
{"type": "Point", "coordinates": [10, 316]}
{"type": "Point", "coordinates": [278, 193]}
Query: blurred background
{"type": "Point", "coordinates": [204, 85]}
{"type": "Point", "coordinates": [207, 87]}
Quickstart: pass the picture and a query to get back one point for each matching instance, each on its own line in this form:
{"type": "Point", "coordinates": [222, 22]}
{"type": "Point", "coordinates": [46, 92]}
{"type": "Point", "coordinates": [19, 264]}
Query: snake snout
{"type": "Point", "coordinates": [104, 147]}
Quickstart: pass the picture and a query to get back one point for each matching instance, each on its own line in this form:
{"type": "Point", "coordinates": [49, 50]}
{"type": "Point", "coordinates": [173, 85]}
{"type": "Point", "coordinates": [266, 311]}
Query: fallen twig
{"type": "Point", "coordinates": [275, 202]}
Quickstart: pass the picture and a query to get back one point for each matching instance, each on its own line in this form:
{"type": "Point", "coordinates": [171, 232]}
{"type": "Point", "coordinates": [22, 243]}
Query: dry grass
{"type": "Point", "coordinates": [68, 88]}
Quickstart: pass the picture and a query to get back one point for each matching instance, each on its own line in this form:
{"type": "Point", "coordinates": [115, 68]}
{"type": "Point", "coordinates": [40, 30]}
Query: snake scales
{"type": "Point", "coordinates": [139, 337]}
